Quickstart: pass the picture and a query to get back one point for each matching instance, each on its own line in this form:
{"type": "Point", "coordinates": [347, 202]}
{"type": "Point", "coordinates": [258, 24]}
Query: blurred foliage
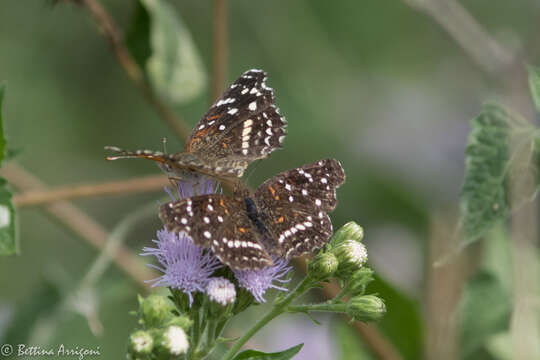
{"type": "Point", "coordinates": [371, 83]}
{"type": "Point", "coordinates": [402, 317]}
{"type": "Point", "coordinates": [349, 346]}
{"type": "Point", "coordinates": [534, 83]}
{"type": "Point", "coordinates": [484, 193]}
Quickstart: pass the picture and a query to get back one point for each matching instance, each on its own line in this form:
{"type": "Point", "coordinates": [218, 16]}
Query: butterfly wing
{"type": "Point", "coordinates": [241, 126]}
{"type": "Point", "coordinates": [218, 222]}
{"type": "Point", "coordinates": [294, 206]}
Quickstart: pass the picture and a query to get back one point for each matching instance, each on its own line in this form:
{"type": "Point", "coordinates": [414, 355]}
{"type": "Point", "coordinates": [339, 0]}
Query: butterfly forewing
{"type": "Point", "coordinates": [241, 126]}
{"type": "Point", "coordinates": [294, 206]}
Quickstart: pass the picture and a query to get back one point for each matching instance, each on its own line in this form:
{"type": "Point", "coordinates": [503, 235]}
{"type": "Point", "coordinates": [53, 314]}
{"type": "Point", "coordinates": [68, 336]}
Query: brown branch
{"type": "Point", "coordinates": [81, 224]}
{"type": "Point", "coordinates": [220, 47]}
{"type": "Point", "coordinates": [111, 31]}
{"type": "Point", "coordinates": [40, 197]}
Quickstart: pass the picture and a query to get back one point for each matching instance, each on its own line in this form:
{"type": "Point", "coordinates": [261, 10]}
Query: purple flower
{"type": "Point", "coordinates": [185, 266]}
{"type": "Point", "coordinates": [188, 189]}
{"type": "Point", "coordinates": [258, 281]}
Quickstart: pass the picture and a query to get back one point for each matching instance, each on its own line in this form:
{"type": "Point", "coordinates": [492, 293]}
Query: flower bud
{"type": "Point", "coordinates": [140, 344]}
{"type": "Point", "coordinates": [366, 308]}
{"type": "Point", "coordinates": [171, 341]}
{"type": "Point", "coordinates": [182, 321]}
{"type": "Point", "coordinates": [349, 231]}
{"type": "Point", "coordinates": [221, 291]}
{"type": "Point", "coordinates": [351, 255]}
{"type": "Point", "coordinates": [323, 266]}
{"type": "Point", "coordinates": [356, 283]}
{"type": "Point", "coordinates": [154, 311]}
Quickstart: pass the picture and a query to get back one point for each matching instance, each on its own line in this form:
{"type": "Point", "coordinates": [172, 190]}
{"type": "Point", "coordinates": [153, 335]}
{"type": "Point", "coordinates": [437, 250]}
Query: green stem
{"type": "Point", "coordinates": [324, 307]}
{"type": "Point", "coordinates": [278, 308]}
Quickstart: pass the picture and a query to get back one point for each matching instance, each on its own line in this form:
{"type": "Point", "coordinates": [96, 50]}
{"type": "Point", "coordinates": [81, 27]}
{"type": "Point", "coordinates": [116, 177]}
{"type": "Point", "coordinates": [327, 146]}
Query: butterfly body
{"type": "Point", "coordinates": [243, 125]}
{"type": "Point", "coordinates": [285, 217]}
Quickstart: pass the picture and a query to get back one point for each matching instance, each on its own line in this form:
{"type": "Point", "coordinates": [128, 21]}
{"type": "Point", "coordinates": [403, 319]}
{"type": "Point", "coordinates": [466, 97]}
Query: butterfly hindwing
{"type": "Point", "coordinates": [294, 206]}
{"type": "Point", "coordinates": [218, 222]}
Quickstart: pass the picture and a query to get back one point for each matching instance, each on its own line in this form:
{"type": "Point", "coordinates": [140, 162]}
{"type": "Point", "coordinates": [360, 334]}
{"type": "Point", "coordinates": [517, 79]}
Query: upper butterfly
{"type": "Point", "coordinates": [285, 217]}
{"type": "Point", "coordinates": [243, 125]}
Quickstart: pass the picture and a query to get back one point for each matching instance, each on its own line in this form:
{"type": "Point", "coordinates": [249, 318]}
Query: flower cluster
{"type": "Point", "coordinates": [163, 334]}
{"type": "Point", "coordinates": [205, 294]}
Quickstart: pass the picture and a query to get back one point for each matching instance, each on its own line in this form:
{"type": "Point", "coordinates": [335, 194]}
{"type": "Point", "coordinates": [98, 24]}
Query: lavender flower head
{"type": "Point", "coordinates": [188, 189]}
{"type": "Point", "coordinates": [258, 281]}
{"type": "Point", "coordinates": [185, 266]}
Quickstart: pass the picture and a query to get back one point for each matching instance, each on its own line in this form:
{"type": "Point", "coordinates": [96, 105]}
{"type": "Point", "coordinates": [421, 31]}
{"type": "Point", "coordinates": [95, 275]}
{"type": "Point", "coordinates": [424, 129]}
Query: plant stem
{"type": "Point", "coordinates": [279, 307]}
{"type": "Point", "coordinates": [324, 307]}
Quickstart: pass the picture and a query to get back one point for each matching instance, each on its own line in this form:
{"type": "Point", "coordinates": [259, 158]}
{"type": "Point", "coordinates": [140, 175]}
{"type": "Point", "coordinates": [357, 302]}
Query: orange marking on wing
{"type": "Point", "coordinates": [224, 145]}
{"type": "Point", "coordinates": [242, 229]}
{"type": "Point", "coordinates": [280, 220]}
{"type": "Point", "coordinates": [212, 117]}
{"type": "Point", "coordinates": [272, 190]}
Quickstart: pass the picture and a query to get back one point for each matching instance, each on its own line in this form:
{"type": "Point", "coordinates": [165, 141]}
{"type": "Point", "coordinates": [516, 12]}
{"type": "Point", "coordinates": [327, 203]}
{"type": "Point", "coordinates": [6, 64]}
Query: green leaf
{"type": "Point", "coordinates": [534, 84]}
{"type": "Point", "coordinates": [484, 193]}
{"type": "Point", "coordinates": [402, 317]}
{"type": "Point", "coordinates": [2, 137]}
{"type": "Point", "coordinates": [174, 67]}
{"type": "Point", "coordinates": [259, 355]}
{"type": "Point", "coordinates": [8, 239]}
{"type": "Point", "coordinates": [138, 36]}
{"type": "Point", "coordinates": [485, 310]}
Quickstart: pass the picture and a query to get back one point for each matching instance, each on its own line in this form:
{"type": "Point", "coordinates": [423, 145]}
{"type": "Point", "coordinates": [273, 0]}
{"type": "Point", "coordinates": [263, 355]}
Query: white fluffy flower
{"type": "Point", "coordinates": [221, 291]}
{"type": "Point", "coordinates": [175, 340]}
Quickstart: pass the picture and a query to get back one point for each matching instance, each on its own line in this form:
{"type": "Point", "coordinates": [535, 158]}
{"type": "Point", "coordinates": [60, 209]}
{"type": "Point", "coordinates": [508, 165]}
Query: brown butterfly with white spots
{"type": "Point", "coordinates": [286, 216]}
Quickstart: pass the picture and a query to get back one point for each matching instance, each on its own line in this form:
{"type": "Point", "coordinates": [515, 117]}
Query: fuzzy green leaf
{"type": "Point", "coordinates": [484, 193]}
{"type": "Point", "coordinates": [174, 66]}
{"type": "Point", "coordinates": [259, 355]}
{"type": "Point", "coordinates": [8, 239]}
{"type": "Point", "coordinates": [534, 84]}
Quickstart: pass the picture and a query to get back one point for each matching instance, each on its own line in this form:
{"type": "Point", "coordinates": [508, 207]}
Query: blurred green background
{"type": "Point", "coordinates": [375, 84]}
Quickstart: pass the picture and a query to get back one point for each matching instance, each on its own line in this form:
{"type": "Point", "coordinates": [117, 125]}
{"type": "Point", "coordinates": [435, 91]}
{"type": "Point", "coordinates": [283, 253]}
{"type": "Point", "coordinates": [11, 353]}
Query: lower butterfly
{"type": "Point", "coordinates": [286, 216]}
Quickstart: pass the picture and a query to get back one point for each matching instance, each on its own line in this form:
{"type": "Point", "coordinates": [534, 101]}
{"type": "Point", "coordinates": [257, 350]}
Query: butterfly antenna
{"type": "Point", "coordinates": [164, 142]}
{"type": "Point", "coordinates": [142, 154]}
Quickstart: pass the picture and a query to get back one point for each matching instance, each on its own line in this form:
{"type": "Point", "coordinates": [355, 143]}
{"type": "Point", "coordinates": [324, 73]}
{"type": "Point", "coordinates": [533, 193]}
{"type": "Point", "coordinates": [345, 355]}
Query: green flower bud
{"type": "Point", "coordinates": [356, 283]}
{"type": "Point", "coordinates": [349, 231]}
{"type": "Point", "coordinates": [323, 266]}
{"type": "Point", "coordinates": [154, 311]}
{"type": "Point", "coordinates": [171, 341]}
{"type": "Point", "coordinates": [351, 255]}
{"type": "Point", "coordinates": [366, 308]}
{"type": "Point", "coordinates": [183, 321]}
{"type": "Point", "coordinates": [140, 344]}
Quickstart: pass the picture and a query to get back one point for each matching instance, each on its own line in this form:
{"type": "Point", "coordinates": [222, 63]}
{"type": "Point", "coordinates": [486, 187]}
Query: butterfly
{"type": "Point", "coordinates": [243, 125]}
{"type": "Point", "coordinates": [286, 216]}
